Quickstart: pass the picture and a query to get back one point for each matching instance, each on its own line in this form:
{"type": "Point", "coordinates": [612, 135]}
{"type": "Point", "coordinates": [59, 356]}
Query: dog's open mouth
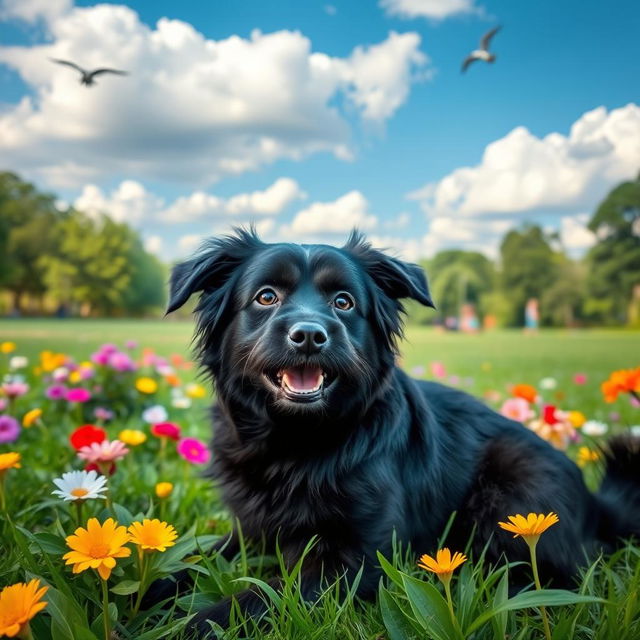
{"type": "Point", "coordinates": [304, 383]}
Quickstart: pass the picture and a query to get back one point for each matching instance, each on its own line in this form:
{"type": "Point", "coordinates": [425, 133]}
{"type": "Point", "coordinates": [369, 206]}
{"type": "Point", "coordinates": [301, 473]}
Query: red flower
{"type": "Point", "coordinates": [549, 414]}
{"type": "Point", "coordinates": [86, 435]}
{"type": "Point", "coordinates": [93, 466]}
{"type": "Point", "coordinates": [166, 430]}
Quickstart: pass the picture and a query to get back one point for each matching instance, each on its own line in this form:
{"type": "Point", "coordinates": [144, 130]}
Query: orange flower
{"type": "Point", "coordinates": [587, 456]}
{"type": "Point", "coordinates": [97, 547]}
{"type": "Point", "coordinates": [18, 604]}
{"type": "Point", "coordinates": [9, 460]}
{"type": "Point", "coordinates": [526, 391]}
{"type": "Point", "coordinates": [444, 564]}
{"type": "Point", "coordinates": [531, 527]}
{"type": "Point", "coordinates": [621, 381]}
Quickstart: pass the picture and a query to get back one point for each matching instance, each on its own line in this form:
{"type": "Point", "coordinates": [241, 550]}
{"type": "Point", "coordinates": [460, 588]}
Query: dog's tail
{"type": "Point", "coordinates": [619, 493]}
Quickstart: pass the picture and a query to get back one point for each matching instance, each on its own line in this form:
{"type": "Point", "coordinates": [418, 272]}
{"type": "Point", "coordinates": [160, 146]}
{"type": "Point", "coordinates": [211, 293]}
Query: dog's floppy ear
{"type": "Point", "coordinates": [211, 266]}
{"type": "Point", "coordinates": [396, 278]}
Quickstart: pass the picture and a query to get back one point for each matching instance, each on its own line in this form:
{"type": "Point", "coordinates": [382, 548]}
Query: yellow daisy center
{"type": "Point", "coordinates": [79, 492]}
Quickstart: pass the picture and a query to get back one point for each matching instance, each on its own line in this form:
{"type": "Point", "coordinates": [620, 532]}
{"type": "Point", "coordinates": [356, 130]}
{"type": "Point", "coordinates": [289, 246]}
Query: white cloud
{"type": "Point", "coordinates": [433, 9]}
{"type": "Point", "coordinates": [521, 173]}
{"type": "Point", "coordinates": [271, 201]}
{"type": "Point", "coordinates": [192, 109]}
{"type": "Point", "coordinates": [190, 242]}
{"type": "Point", "coordinates": [574, 233]}
{"type": "Point", "coordinates": [154, 244]}
{"type": "Point", "coordinates": [33, 10]}
{"type": "Point", "coordinates": [338, 216]}
{"type": "Point", "coordinates": [130, 202]}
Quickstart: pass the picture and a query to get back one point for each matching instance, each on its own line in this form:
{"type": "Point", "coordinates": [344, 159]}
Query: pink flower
{"type": "Point", "coordinates": [121, 361]}
{"type": "Point", "coordinates": [103, 414]}
{"type": "Point", "coordinates": [194, 451]}
{"type": "Point", "coordinates": [517, 409]}
{"type": "Point", "coordinates": [105, 451]}
{"type": "Point", "coordinates": [56, 392]}
{"type": "Point", "coordinates": [9, 429]}
{"type": "Point", "coordinates": [3, 404]}
{"type": "Point", "coordinates": [438, 369]}
{"type": "Point", "coordinates": [580, 378]}
{"type": "Point", "coordinates": [78, 395]}
{"type": "Point", "coordinates": [131, 344]}
{"type": "Point", "coordinates": [166, 430]}
{"type": "Point", "coordinates": [15, 389]}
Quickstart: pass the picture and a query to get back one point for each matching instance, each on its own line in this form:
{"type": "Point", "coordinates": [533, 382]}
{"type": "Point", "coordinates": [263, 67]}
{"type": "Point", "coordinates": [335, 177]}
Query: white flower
{"type": "Point", "coordinates": [180, 402]}
{"type": "Point", "coordinates": [165, 370]}
{"type": "Point", "coordinates": [80, 485]}
{"type": "Point", "coordinates": [548, 384]}
{"type": "Point", "coordinates": [594, 428]}
{"type": "Point", "coordinates": [156, 413]}
{"type": "Point", "coordinates": [60, 374]}
{"type": "Point", "coordinates": [635, 430]}
{"type": "Point", "coordinates": [18, 362]}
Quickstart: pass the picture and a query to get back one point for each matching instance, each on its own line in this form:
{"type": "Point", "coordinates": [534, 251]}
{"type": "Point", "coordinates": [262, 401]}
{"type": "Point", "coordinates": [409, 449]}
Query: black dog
{"type": "Point", "coordinates": [318, 433]}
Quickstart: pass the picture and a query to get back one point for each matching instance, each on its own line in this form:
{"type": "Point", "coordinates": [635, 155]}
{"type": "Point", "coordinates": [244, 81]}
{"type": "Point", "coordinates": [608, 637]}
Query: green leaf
{"type": "Point", "coordinates": [126, 587]}
{"type": "Point", "coordinates": [500, 597]}
{"type": "Point", "coordinates": [430, 608]}
{"type": "Point", "coordinates": [49, 543]}
{"type": "Point", "coordinates": [542, 598]}
{"type": "Point", "coordinates": [395, 619]}
{"type": "Point", "coordinates": [390, 570]}
{"type": "Point", "coordinates": [267, 588]}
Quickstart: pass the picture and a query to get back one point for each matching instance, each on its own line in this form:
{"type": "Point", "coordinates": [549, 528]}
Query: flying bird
{"type": "Point", "coordinates": [88, 77]}
{"type": "Point", "coordinates": [483, 52]}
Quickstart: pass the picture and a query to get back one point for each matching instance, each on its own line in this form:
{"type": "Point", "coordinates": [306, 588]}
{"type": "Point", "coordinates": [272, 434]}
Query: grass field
{"type": "Point", "coordinates": [34, 526]}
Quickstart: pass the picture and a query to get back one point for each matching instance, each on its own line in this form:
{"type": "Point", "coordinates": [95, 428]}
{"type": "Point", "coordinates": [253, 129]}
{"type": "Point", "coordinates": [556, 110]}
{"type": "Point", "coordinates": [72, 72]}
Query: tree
{"type": "Point", "coordinates": [614, 261]}
{"type": "Point", "coordinates": [26, 219]}
{"type": "Point", "coordinates": [528, 266]}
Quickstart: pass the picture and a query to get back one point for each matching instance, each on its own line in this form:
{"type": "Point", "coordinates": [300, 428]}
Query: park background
{"type": "Point", "coordinates": [511, 182]}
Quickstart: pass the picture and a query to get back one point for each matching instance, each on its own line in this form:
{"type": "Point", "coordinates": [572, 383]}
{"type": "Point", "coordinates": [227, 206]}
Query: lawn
{"type": "Point", "coordinates": [35, 524]}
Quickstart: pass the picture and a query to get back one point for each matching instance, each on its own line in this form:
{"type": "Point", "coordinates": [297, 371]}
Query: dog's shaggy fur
{"type": "Point", "coordinates": [371, 450]}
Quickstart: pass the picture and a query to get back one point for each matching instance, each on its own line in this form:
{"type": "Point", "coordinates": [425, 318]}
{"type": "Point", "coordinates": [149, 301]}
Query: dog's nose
{"type": "Point", "coordinates": [308, 336]}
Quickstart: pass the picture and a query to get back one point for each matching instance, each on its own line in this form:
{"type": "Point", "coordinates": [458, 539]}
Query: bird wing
{"type": "Point", "coordinates": [73, 65]}
{"type": "Point", "coordinates": [486, 38]}
{"type": "Point", "coordinates": [468, 60]}
{"type": "Point", "coordinates": [98, 72]}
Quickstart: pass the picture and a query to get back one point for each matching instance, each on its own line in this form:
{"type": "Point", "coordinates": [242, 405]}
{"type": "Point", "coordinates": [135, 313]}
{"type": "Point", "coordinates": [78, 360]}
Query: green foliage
{"type": "Point", "coordinates": [84, 263]}
{"type": "Point", "coordinates": [614, 261]}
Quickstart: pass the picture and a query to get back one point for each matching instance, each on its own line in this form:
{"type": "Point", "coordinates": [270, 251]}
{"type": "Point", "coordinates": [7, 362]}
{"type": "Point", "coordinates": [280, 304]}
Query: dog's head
{"type": "Point", "coordinates": [302, 329]}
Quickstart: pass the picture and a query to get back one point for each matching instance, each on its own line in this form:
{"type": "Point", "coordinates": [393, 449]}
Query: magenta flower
{"type": "Point", "coordinates": [56, 392]}
{"type": "Point", "coordinates": [78, 395]}
{"type": "Point", "coordinates": [15, 388]}
{"type": "Point", "coordinates": [580, 378]}
{"type": "Point", "coordinates": [9, 429]}
{"type": "Point", "coordinates": [166, 430]}
{"type": "Point", "coordinates": [194, 451]}
{"type": "Point", "coordinates": [131, 344]}
{"type": "Point", "coordinates": [517, 409]}
{"type": "Point", "coordinates": [105, 451]}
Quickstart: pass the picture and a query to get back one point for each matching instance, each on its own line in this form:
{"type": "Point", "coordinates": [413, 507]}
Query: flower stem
{"type": "Point", "coordinates": [105, 610]}
{"type": "Point", "coordinates": [446, 581]}
{"type": "Point", "coordinates": [25, 633]}
{"type": "Point", "coordinates": [142, 572]}
{"type": "Point", "coordinates": [79, 504]}
{"type": "Point", "coordinates": [3, 502]}
{"type": "Point", "coordinates": [536, 579]}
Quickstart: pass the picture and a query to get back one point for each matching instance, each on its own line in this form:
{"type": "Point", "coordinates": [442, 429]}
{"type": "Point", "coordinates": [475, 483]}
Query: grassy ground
{"type": "Point", "coordinates": [32, 530]}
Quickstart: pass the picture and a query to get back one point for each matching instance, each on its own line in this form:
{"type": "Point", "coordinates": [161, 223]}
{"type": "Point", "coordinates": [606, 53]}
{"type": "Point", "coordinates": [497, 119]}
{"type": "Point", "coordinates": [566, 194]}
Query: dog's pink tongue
{"type": "Point", "coordinates": [302, 378]}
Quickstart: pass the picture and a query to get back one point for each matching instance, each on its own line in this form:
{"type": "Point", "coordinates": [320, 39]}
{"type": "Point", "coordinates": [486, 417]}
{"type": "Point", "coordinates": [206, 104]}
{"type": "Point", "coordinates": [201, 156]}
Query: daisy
{"type": "Point", "coordinates": [80, 485]}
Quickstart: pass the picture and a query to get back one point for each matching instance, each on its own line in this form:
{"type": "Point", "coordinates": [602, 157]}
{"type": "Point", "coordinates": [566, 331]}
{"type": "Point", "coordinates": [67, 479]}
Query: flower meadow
{"type": "Point", "coordinates": [102, 492]}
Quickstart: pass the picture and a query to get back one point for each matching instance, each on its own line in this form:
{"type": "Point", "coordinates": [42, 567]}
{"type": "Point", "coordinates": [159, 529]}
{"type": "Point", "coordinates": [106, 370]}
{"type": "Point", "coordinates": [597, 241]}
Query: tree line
{"type": "Point", "coordinates": [66, 262]}
{"type": "Point", "coordinates": [63, 261]}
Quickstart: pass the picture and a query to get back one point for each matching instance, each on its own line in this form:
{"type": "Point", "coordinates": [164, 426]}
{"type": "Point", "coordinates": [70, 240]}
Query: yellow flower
{"type": "Point", "coordinates": [9, 460]}
{"type": "Point", "coordinates": [29, 418]}
{"type": "Point", "coordinates": [195, 391]}
{"type": "Point", "coordinates": [146, 385]}
{"type": "Point", "coordinates": [531, 527]}
{"type": "Point", "coordinates": [164, 489]}
{"type": "Point", "coordinates": [132, 437]}
{"type": "Point", "coordinates": [577, 418]}
{"type": "Point", "coordinates": [586, 455]}
{"type": "Point", "coordinates": [7, 347]}
{"type": "Point", "coordinates": [50, 361]}
{"type": "Point", "coordinates": [18, 604]}
{"type": "Point", "coordinates": [152, 535]}
{"type": "Point", "coordinates": [444, 564]}
{"type": "Point", "coordinates": [75, 377]}
{"type": "Point", "coordinates": [97, 547]}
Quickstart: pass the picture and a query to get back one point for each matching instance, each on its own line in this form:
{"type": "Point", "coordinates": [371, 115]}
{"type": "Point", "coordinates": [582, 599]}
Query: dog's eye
{"type": "Point", "coordinates": [267, 297]}
{"type": "Point", "coordinates": [343, 301]}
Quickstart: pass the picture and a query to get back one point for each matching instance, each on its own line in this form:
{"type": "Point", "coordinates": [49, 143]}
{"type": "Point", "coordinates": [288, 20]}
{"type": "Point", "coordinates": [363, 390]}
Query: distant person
{"type": "Point", "coordinates": [531, 316]}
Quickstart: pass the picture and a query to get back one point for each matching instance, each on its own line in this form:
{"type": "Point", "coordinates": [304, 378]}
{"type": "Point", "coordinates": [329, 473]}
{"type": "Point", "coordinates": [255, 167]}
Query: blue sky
{"type": "Point", "coordinates": [335, 114]}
